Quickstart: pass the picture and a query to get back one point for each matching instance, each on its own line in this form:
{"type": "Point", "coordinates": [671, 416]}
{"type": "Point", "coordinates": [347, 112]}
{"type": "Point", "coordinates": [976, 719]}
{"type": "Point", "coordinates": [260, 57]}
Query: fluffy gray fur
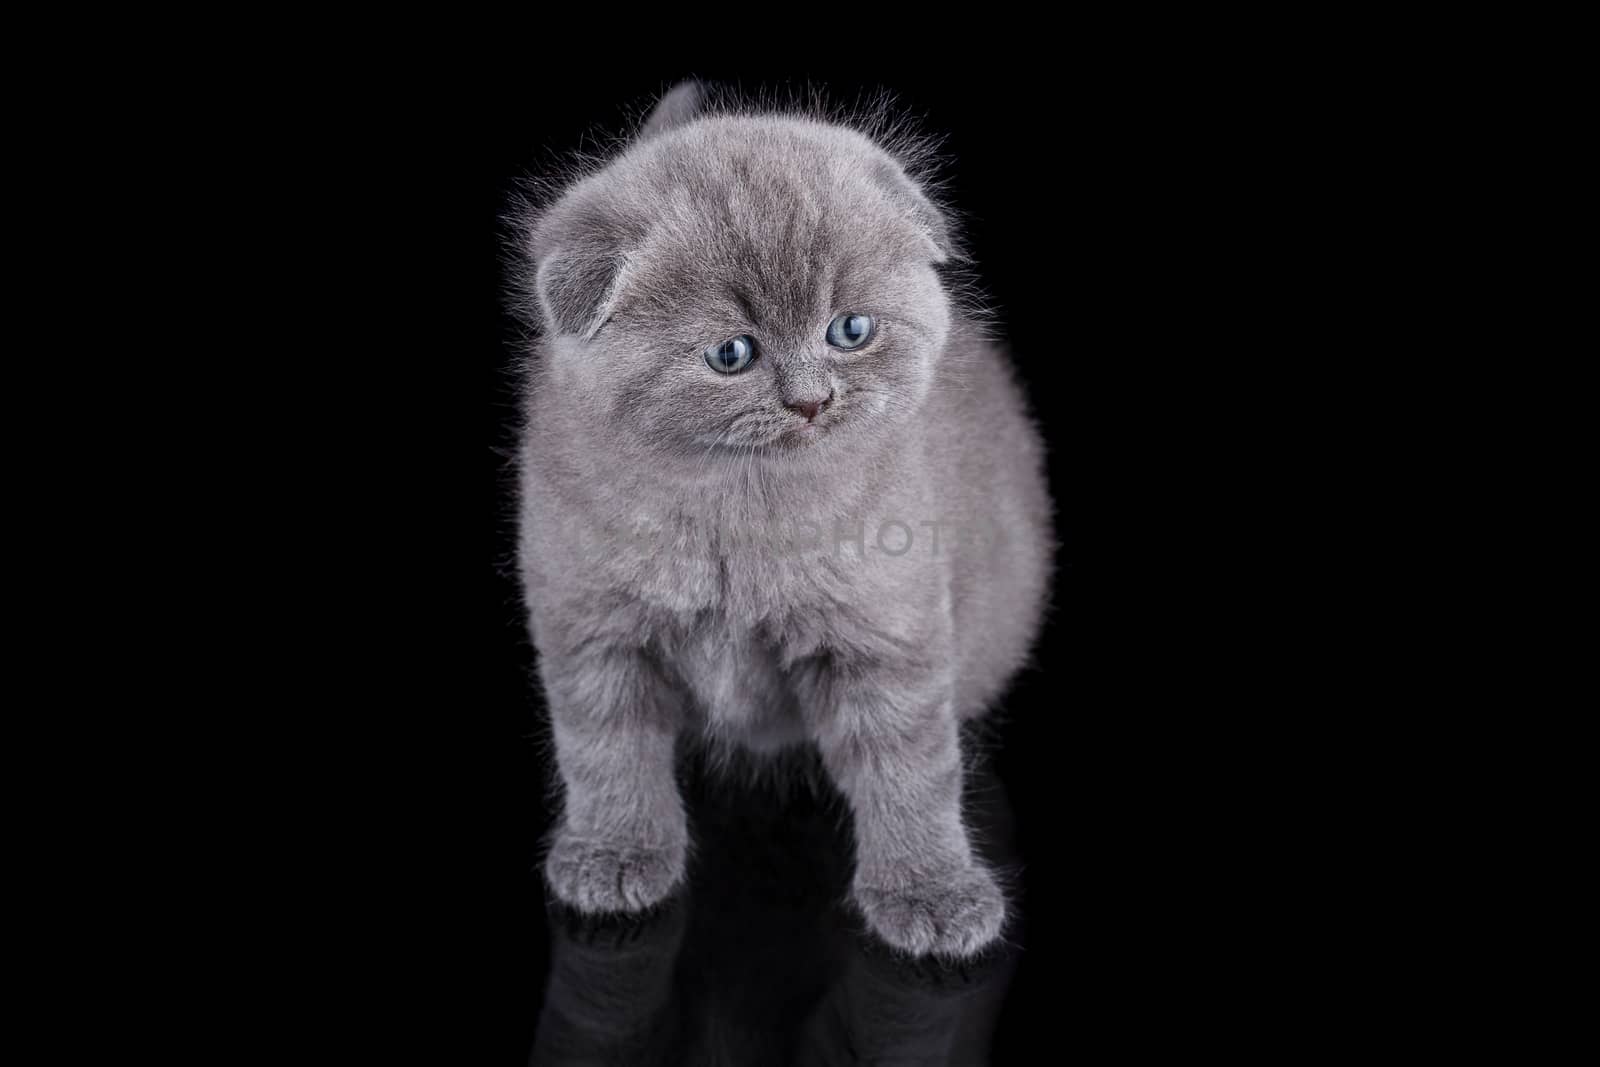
{"type": "Point", "coordinates": [701, 562]}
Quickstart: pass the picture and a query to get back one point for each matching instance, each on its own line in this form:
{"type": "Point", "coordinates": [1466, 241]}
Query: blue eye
{"type": "Point", "coordinates": [732, 355]}
{"type": "Point", "coordinates": [849, 331]}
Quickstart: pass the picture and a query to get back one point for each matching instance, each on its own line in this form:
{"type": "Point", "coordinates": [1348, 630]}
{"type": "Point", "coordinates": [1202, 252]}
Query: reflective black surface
{"type": "Point", "coordinates": [760, 960]}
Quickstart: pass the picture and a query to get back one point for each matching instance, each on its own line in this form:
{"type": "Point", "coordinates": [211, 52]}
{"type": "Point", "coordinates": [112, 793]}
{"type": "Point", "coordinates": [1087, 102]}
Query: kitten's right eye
{"type": "Point", "coordinates": [732, 355]}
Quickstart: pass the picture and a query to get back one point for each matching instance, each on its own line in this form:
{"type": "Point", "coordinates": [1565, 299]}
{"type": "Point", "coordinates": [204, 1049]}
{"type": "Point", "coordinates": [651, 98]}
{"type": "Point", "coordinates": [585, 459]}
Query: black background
{"type": "Point", "coordinates": [1124, 232]}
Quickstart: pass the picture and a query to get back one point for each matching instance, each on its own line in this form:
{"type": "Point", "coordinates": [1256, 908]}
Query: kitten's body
{"type": "Point", "coordinates": [697, 560]}
{"type": "Point", "coordinates": [731, 611]}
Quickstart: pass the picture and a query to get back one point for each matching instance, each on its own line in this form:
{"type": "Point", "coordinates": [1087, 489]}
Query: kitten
{"type": "Point", "coordinates": [775, 490]}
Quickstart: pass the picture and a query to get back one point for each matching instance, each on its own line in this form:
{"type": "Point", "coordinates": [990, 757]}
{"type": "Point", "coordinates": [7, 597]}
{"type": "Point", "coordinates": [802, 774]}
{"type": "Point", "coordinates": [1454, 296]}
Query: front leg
{"type": "Point", "coordinates": [622, 840]}
{"type": "Point", "coordinates": [891, 742]}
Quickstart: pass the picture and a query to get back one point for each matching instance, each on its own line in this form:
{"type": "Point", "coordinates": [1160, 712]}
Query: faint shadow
{"type": "Point", "coordinates": [761, 960]}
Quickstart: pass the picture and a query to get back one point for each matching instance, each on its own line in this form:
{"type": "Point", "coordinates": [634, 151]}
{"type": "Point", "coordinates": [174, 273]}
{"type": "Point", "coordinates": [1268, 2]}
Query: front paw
{"type": "Point", "coordinates": [954, 915]}
{"type": "Point", "coordinates": [601, 876]}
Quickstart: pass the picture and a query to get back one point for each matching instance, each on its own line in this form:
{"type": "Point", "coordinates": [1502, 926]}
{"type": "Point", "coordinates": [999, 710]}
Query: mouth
{"type": "Point", "coordinates": [786, 435]}
{"type": "Point", "coordinates": [799, 435]}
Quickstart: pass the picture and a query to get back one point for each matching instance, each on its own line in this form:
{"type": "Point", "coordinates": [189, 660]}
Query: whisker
{"type": "Point", "coordinates": [711, 448]}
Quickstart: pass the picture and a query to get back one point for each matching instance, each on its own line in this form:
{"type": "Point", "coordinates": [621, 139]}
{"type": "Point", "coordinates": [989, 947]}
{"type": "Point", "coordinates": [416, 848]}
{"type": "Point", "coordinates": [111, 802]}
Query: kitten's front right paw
{"type": "Point", "coordinates": [597, 876]}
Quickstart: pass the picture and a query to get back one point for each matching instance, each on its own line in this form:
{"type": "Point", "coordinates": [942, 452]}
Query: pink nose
{"type": "Point", "coordinates": [810, 408]}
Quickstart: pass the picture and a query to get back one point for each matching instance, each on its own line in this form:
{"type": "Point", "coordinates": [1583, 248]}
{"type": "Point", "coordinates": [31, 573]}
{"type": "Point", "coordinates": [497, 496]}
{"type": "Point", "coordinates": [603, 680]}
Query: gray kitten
{"type": "Point", "coordinates": [776, 490]}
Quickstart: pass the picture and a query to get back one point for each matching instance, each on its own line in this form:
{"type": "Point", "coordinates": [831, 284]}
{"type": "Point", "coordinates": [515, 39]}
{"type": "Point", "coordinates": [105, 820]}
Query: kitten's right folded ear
{"type": "Point", "coordinates": [580, 257]}
{"type": "Point", "coordinates": [683, 103]}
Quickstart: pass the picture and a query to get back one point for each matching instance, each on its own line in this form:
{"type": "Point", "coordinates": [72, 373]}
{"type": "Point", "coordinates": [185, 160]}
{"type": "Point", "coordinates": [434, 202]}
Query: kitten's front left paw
{"type": "Point", "coordinates": [597, 877]}
{"type": "Point", "coordinates": [954, 916]}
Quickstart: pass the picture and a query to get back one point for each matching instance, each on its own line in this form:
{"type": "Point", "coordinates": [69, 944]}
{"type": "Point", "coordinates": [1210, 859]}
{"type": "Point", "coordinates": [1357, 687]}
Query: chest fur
{"type": "Point", "coordinates": [736, 683]}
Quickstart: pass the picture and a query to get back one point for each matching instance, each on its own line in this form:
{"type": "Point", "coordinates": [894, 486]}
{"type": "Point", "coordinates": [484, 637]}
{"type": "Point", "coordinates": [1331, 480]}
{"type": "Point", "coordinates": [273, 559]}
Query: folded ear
{"type": "Point", "coordinates": [681, 104]}
{"type": "Point", "coordinates": [580, 257]}
{"type": "Point", "coordinates": [576, 290]}
{"type": "Point", "coordinates": [915, 205]}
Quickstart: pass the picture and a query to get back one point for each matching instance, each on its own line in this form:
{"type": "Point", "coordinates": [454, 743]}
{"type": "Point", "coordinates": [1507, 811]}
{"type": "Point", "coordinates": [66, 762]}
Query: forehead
{"type": "Point", "coordinates": [770, 216]}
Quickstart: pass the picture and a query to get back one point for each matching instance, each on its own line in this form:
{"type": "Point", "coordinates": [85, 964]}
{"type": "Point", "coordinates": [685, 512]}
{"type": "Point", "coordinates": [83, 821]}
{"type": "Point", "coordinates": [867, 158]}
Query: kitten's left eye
{"type": "Point", "coordinates": [850, 330]}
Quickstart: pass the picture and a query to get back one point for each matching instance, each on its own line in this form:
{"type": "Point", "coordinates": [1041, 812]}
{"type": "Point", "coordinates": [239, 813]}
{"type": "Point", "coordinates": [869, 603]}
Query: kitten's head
{"type": "Point", "coordinates": [741, 283]}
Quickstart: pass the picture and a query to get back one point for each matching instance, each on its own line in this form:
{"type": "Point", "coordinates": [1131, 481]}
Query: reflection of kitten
{"type": "Point", "coordinates": [743, 337]}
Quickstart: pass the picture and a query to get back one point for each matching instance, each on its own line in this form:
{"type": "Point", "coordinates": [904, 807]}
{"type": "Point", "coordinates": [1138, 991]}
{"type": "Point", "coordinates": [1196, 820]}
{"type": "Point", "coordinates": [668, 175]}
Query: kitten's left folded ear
{"type": "Point", "coordinates": [681, 104]}
{"type": "Point", "coordinates": [922, 211]}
